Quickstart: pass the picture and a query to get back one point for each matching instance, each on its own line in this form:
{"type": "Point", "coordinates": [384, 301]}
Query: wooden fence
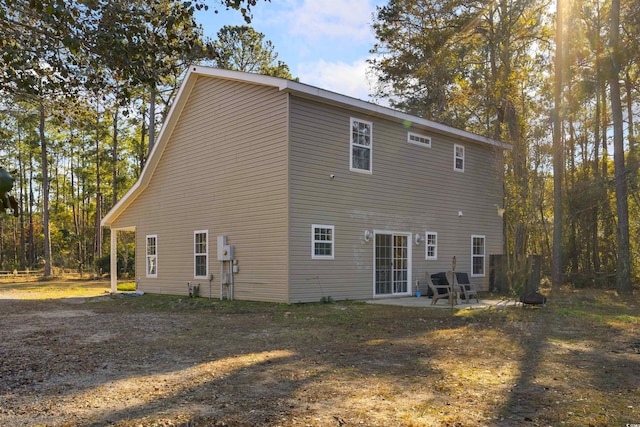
{"type": "Point", "coordinates": [21, 273]}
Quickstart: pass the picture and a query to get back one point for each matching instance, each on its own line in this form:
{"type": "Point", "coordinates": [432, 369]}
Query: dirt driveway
{"type": "Point", "coordinates": [167, 361]}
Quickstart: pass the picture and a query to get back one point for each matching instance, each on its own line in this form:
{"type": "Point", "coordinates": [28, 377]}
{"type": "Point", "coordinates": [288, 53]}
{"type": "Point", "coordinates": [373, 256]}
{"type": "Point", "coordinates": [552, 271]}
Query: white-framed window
{"type": "Point", "coordinates": [361, 146]}
{"type": "Point", "coordinates": [431, 245]}
{"type": "Point", "coordinates": [152, 255]}
{"type": "Point", "coordinates": [416, 138]}
{"type": "Point", "coordinates": [322, 239]}
{"type": "Point", "coordinates": [477, 255]}
{"type": "Point", "coordinates": [200, 253]}
{"type": "Point", "coordinates": [458, 157]}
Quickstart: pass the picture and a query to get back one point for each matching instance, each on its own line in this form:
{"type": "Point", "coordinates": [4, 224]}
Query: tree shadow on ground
{"type": "Point", "coordinates": [578, 368]}
{"type": "Point", "coordinates": [263, 365]}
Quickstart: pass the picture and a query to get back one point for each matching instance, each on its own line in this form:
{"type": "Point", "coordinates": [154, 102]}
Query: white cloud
{"type": "Point", "coordinates": [330, 19]}
{"type": "Point", "coordinates": [346, 79]}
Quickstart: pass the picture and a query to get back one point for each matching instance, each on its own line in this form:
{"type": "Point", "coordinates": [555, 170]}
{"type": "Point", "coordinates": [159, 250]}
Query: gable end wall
{"type": "Point", "coordinates": [224, 170]}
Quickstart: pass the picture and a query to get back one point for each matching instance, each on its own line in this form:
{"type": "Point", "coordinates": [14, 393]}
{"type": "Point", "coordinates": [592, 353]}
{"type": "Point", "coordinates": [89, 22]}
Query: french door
{"type": "Point", "coordinates": [392, 273]}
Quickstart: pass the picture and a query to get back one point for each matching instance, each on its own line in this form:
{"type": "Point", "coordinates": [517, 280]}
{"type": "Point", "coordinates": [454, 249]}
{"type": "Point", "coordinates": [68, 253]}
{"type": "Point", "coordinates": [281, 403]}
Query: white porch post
{"type": "Point", "coordinates": [114, 261]}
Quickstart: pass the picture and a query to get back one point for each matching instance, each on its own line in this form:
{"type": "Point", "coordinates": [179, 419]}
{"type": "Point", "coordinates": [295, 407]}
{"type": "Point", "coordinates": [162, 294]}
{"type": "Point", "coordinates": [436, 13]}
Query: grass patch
{"type": "Point", "coordinates": [127, 287]}
{"type": "Point", "coordinates": [54, 288]}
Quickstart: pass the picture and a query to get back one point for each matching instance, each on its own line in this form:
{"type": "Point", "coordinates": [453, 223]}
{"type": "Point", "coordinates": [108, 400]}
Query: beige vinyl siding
{"type": "Point", "coordinates": [412, 189]}
{"type": "Point", "coordinates": [224, 170]}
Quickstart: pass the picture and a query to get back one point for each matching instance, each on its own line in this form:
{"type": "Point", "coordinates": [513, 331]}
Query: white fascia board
{"type": "Point", "coordinates": [258, 79]}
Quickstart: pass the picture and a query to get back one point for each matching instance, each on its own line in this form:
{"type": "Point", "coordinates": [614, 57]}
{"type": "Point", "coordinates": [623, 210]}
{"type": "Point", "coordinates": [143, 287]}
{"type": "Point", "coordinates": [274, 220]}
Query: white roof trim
{"type": "Point", "coordinates": [291, 86]}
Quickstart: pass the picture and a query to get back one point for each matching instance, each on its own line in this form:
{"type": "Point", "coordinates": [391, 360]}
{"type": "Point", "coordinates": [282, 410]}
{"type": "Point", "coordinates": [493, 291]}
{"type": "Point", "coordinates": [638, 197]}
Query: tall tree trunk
{"type": "Point", "coordinates": [2, 250]}
{"type": "Point", "coordinates": [558, 158]}
{"type": "Point", "coordinates": [597, 179]}
{"type": "Point", "coordinates": [30, 238]}
{"type": "Point", "coordinates": [141, 152]}
{"type": "Point", "coordinates": [607, 215]}
{"type": "Point", "coordinates": [81, 228]}
{"type": "Point", "coordinates": [114, 199]}
{"type": "Point", "coordinates": [152, 118]}
{"type": "Point", "coordinates": [595, 239]}
{"type": "Point", "coordinates": [98, 231]}
{"type": "Point", "coordinates": [623, 270]}
{"type": "Point", "coordinates": [572, 261]}
{"type": "Point", "coordinates": [45, 195]}
{"type": "Point", "coordinates": [76, 228]}
{"type": "Point", "coordinates": [632, 159]}
{"type": "Point", "coordinates": [23, 175]}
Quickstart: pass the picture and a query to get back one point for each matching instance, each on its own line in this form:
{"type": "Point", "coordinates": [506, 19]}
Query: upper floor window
{"type": "Point", "coordinates": [200, 253]}
{"type": "Point", "coordinates": [361, 146]}
{"type": "Point", "coordinates": [477, 255]}
{"type": "Point", "coordinates": [458, 158]}
{"type": "Point", "coordinates": [152, 256]}
{"type": "Point", "coordinates": [431, 245]}
{"type": "Point", "coordinates": [322, 241]}
{"type": "Point", "coordinates": [415, 138]}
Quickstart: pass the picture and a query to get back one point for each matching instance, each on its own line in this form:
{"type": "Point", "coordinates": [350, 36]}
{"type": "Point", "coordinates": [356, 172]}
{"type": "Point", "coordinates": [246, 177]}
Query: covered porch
{"type": "Point", "coordinates": [113, 266]}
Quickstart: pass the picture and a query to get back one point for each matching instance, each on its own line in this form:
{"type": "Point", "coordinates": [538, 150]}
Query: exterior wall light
{"type": "Point", "coordinates": [367, 235]}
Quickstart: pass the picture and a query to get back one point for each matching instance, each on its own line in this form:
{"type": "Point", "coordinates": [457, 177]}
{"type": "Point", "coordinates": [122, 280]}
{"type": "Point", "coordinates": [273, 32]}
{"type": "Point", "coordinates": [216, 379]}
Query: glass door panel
{"type": "Point", "coordinates": [392, 264]}
{"type": "Point", "coordinates": [384, 263]}
{"type": "Point", "coordinates": [400, 264]}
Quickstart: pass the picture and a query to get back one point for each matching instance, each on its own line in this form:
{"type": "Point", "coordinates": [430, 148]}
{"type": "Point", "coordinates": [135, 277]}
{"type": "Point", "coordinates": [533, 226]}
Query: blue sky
{"type": "Point", "coordinates": [325, 43]}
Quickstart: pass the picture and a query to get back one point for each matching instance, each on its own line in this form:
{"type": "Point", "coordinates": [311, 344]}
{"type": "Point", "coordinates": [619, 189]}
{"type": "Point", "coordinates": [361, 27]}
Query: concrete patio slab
{"type": "Point", "coordinates": [426, 303]}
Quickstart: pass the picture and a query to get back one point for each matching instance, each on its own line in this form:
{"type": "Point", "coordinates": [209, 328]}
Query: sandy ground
{"type": "Point", "coordinates": [123, 361]}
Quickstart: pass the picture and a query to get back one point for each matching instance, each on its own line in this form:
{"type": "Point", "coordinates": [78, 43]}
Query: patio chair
{"type": "Point", "coordinates": [440, 290]}
{"type": "Point", "coordinates": [467, 290]}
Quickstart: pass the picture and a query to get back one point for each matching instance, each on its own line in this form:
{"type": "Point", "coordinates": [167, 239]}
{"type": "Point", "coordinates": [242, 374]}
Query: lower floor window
{"type": "Point", "coordinates": [431, 245]}
{"type": "Point", "coordinates": [152, 256]}
{"type": "Point", "coordinates": [200, 253]}
{"type": "Point", "coordinates": [477, 255]}
{"type": "Point", "coordinates": [322, 241]}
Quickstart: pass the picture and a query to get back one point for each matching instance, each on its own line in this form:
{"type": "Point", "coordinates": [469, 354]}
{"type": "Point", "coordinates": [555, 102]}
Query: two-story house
{"type": "Point", "coordinates": [261, 188]}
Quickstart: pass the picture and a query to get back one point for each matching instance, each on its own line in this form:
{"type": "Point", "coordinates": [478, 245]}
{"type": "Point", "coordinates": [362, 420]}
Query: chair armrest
{"type": "Point", "coordinates": [441, 289]}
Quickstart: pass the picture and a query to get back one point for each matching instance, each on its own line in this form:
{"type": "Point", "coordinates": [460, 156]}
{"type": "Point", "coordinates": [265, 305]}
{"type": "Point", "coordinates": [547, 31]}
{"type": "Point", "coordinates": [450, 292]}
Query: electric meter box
{"type": "Point", "coordinates": [225, 252]}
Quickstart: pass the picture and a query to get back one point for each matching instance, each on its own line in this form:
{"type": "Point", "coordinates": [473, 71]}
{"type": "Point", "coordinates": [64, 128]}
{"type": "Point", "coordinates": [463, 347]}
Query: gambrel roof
{"type": "Point", "coordinates": [286, 86]}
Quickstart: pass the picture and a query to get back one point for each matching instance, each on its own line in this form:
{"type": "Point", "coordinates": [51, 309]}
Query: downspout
{"type": "Point", "coordinates": [221, 278]}
{"type": "Point", "coordinates": [231, 290]}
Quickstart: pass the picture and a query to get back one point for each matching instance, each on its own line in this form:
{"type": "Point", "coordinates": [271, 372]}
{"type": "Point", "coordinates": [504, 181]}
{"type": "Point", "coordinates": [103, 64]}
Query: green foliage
{"type": "Point", "coordinates": [70, 72]}
{"type": "Point", "coordinates": [125, 266]}
{"type": "Point", "coordinates": [242, 48]}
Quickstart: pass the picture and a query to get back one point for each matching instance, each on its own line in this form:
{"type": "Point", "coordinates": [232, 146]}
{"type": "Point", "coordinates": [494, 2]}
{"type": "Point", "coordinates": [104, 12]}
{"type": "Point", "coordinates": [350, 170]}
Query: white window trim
{"type": "Point", "coordinates": [313, 241]}
{"type": "Point", "coordinates": [484, 255]}
{"type": "Point", "coordinates": [352, 144]}
{"type": "Point", "coordinates": [426, 245]}
{"type": "Point", "coordinates": [416, 139]}
{"type": "Point", "coordinates": [147, 256]}
{"type": "Point", "coordinates": [206, 254]}
{"type": "Point", "coordinates": [456, 157]}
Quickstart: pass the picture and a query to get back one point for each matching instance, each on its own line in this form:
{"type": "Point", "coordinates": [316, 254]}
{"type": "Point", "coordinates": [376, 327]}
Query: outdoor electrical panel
{"type": "Point", "coordinates": [225, 252]}
{"type": "Point", "coordinates": [222, 242]}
